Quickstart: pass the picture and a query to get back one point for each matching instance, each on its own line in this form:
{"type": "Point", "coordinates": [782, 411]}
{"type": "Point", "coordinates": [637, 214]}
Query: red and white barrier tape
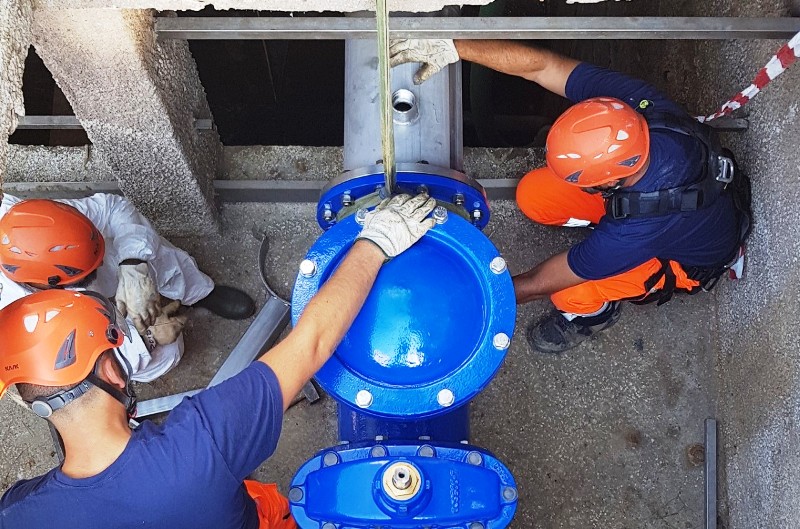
{"type": "Point", "coordinates": [785, 57]}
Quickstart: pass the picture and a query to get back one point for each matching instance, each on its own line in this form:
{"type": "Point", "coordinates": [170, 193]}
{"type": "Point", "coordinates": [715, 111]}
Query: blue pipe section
{"type": "Point", "coordinates": [357, 427]}
{"type": "Point", "coordinates": [431, 335]}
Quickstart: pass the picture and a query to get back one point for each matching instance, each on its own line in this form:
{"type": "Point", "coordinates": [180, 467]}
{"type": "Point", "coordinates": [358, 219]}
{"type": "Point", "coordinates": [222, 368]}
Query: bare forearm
{"type": "Point", "coordinates": [546, 278]}
{"type": "Point", "coordinates": [325, 320]}
{"type": "Point", "coordinates": [545, 67]}
{"type": "Point", "coordinates": [331, 312]}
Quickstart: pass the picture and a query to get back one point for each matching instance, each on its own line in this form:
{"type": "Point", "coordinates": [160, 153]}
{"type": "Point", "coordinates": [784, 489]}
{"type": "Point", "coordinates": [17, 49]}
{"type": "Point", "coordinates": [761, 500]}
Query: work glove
{"type": "Point", "coordinates": [434, 54]}
{"type": "Point", "coordinates": [398, 222]}
{"type": "Point", "coordinates": [167, 327]}
{"type": "Point", "coordinates": [137, 297]}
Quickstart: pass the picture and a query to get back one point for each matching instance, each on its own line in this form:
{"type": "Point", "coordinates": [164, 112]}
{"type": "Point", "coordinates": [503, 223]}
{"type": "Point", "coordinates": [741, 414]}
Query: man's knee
{"type": "Point", "coordinates": [533, 196]}
{"type": "Point", "coordinates": [546, 199]}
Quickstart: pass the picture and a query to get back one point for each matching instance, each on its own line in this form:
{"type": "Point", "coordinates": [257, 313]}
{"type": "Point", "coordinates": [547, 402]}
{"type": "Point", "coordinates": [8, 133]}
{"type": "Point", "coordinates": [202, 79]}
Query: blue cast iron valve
{"type": "Point", "coordinates": [430, 336]}
{"type": "Point", "coordinates": [434, 329]}
{"type": "Point", "coordinates": [405, 486]}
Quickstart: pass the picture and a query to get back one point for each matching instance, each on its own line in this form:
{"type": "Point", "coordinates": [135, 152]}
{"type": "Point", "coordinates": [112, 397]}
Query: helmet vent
{"type": "Point", "coordinates": [614, 148]}
{"type": "Point", "coordinates": [630, 162]}
{"type": "Point", "coordinates": [6, 240]}
{"type": "Point", "coordinates": [70, 271]}
{"type": "Point", "coordinates": [617, 106]}
{"type": "Point", "coordinates": [56, 248]}
{"type": "Point", "coordinates": [15, 250]}
{"type": "Point", "coordinates": [50, 315]}
{"type": "Point", "coordinates": [30, 321]}
{"type": "Point", "coordinates": [573, 155]}
{"type": "Point", "coordinates": [66, 355]}
{"type": "Point", "coordinates": [622, 135]}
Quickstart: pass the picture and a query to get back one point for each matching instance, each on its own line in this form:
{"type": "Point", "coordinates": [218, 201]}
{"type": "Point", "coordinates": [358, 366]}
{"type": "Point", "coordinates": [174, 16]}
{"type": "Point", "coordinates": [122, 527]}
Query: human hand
{"type": "Point", "coordinates": [398, 222]}
{"type": "Point", "coordinates": [434, 54]}
{"type": "Point", "coordinates": [136, 296]}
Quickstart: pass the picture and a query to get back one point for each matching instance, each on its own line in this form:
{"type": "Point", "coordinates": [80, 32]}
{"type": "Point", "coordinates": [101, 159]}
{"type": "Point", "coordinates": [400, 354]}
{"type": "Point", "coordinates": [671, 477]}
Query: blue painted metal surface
{"type": "Point", "coordinates": [439, 187]}
{"type": "Point", "coordinates": [356, 427]}
{"type": "Point", "coordinates": [428, 324]}
{"type": "Point", "coordinates": [460, 486]}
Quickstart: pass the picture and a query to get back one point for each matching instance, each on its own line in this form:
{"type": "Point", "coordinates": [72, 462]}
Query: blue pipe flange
{"type": "Point", "coordinates": [433, 331]}
{"type": "Point", "coordinates": [449, 187]}
{"type": "Point", "coordinates": [407, 486]}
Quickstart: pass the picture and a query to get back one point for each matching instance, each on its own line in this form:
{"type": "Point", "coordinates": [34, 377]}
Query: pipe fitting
{"type": "Point", "coordinates": [406, 110]}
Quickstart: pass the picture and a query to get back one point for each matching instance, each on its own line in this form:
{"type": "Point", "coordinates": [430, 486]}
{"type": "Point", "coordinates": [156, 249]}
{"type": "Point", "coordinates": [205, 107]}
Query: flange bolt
{"type": "Point", "coordinates": [501, 341]}
{"type": "Point", "coordinates": [361, 216]}
{"type": "Point", "coordinates": [364, 399]}
{"type": "Point", "coordinates": [498, 265]}
{"type": "Point", "coordinates": [440, 214]}
{"type": "Point", "coordinates": [308, 268]}
{"type": "Point", "coordinates": [445, 398]}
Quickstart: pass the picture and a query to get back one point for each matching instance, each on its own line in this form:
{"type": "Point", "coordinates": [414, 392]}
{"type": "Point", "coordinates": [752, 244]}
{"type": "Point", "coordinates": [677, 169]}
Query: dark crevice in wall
{"type": "Point", "coordinates": [43, 97]}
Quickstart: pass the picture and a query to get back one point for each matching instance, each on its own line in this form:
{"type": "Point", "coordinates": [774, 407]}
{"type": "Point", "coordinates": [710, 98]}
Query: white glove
{"type": "Point", "coordinates": [137, 296]}
{"type": "Point", "coordinates": [398, 222]}
{"type": "Point", "coordinates": [434, 54]}
{"type": "Point", "coordinates": [168, 327]}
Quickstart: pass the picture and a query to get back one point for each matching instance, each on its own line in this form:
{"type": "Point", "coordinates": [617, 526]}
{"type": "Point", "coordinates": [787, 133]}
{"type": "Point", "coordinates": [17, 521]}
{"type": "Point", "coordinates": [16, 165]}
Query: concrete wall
{"type": "Point", "coordinates": [15, 23]}
{"type": "Point", "coordinates": [759, 358]}
{"type": "Point", "coordinates": [137, 99]}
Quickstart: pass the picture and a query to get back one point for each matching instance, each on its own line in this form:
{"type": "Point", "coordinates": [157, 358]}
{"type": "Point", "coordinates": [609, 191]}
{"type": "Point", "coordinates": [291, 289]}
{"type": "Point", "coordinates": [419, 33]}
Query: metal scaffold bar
{"type": "Point", "coordinates": [587, 28]}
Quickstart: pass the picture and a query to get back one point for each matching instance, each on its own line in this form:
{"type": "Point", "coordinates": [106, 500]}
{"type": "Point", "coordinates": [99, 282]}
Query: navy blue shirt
{"type": "Point", "coordinates": [185, 474]}
{"type": "Point", "coordinates": [704, 238]}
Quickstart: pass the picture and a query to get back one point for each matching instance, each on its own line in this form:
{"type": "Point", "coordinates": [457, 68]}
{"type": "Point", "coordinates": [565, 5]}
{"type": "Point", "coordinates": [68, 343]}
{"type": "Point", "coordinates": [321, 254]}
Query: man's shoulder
{"type": "Point", "coordinates": [23, 489]}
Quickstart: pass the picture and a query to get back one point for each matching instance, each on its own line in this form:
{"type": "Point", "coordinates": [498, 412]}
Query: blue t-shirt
{"type": "Point", "coordinates": [704, 238]}
{"type": "Point", "coordinates": [185, 474]}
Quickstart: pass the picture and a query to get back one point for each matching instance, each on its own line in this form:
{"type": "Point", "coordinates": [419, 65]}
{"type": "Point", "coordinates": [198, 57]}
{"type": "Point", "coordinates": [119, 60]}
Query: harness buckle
{"type": "Point", "coordinates": [619, 206]}
{"type": "Point", "coordinates": [725, 171]}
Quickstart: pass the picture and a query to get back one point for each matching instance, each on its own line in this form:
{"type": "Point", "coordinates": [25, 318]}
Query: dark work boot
{"type": "Point", "coordinates": [228, 302]}
{"type": "Point", "coordinates": [556, 334]}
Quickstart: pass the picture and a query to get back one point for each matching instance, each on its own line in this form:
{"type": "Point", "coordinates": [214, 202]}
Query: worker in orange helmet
{"type": "Point", "coordinates": [61, 350]}
{"type": "Point", "coordinates": [667, 209]}
{"type": "Point", "coordinates": [103, 243]}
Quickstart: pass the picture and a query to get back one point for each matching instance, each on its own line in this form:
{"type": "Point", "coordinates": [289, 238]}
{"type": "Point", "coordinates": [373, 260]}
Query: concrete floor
{"type": "Point", "coordinates": [596, 438]}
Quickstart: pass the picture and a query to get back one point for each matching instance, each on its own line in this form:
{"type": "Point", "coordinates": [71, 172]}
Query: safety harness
{"type": "Point", "coordinates": [719, 176]}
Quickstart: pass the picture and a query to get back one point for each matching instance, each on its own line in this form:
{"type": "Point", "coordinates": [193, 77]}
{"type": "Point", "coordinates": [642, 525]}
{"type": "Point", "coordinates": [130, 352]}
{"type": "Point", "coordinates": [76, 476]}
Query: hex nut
{"type": "Point", "coordinates": [498, 265]}
{"type": "Point", "coordinates": [445, 397]}
{"type": "Point", "coordinates": [364, 399]}
{"type": "Point", "coordinates": [501, 341]}
{"type": "Point", "coordinates": [308, 268]}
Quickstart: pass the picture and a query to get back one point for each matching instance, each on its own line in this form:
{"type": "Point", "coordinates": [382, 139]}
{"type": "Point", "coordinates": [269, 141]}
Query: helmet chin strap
{"type": "Point", "coordinates": [127, 397]}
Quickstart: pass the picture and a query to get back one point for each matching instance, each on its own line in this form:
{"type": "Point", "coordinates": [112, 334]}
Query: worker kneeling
{"type": "Point", "coordinates": [104, 244]}
{"type": "Point", "coordinates": [62, 350]}
{"type": "Point", "coordinates": [667, 211]}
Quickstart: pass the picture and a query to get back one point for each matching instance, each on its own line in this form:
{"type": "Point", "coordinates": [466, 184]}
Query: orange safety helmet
{"type": "Point", "coordinates": [48, 243]}
{"type": "Point", "coordinates": [54, 338]}
{"type": "Point", "coordinates": [597, 141]}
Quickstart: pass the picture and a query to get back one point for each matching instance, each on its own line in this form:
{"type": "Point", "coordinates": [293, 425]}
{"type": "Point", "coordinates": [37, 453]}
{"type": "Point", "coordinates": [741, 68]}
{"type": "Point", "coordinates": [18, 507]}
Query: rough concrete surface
{"type": "Point", "coordinates": [325, 163]}
{"type": "Point", "coordinates": [15, 22]}
{"type": "Point", "coordinates": [137, 99]}
{"type": "Point", "coordinates": [37, 163]}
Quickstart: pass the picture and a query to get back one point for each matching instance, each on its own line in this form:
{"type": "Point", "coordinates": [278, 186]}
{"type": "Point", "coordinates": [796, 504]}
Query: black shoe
{"type": "Point", "coordinates": [556, 334]}
{"type": "Point", "coordinates": [229, 303]}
